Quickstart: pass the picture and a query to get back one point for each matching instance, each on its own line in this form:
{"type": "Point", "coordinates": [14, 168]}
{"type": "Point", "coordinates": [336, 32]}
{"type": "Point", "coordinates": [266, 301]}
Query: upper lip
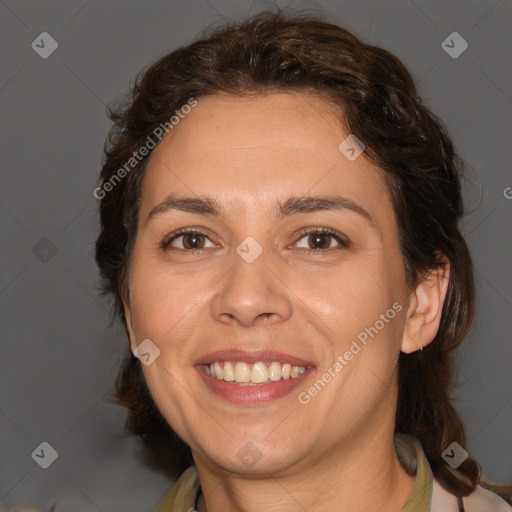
{"type": "Point", "coordinates": [251, 356]}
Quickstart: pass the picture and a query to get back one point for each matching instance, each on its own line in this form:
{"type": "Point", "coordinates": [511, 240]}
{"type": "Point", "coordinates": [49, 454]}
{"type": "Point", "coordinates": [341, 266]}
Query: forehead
{"type": "Point", "coordinates": [252, 150]}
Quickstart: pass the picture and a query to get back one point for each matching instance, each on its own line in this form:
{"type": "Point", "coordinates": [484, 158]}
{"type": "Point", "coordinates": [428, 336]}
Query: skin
{"type": "Point", "coordinates": [251, 153]}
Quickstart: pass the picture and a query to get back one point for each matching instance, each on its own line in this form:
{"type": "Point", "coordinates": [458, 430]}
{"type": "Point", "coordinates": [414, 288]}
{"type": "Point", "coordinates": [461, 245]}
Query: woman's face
{"type": "Point", "coordinates": [258, 282]}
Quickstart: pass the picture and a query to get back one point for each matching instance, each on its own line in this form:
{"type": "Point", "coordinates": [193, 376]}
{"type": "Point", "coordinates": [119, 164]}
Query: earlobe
{"type": "Point", "coordinates": [425, 309]}
{"type": "Point", "coordinates": [129, 324]}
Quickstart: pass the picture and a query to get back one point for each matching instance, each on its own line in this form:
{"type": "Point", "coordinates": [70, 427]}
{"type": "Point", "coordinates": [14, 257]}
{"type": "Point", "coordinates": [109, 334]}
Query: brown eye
{"type": "Point", "coordinates": [321, 239]}
{"type": "Point", "coordinates": [190, 241]}
{"type": "Point", "coordinates": [193, 241]}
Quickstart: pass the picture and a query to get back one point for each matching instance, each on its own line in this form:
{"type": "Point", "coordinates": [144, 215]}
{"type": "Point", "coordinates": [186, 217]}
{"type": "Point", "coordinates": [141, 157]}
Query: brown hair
{"type": "Point", "coordinates": [272, 52]}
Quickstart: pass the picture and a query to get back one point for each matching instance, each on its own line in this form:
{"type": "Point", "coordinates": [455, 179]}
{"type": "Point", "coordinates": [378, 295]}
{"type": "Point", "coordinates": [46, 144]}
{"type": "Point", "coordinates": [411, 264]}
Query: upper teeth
{"type": "Point", "coordinates": [256, 373]}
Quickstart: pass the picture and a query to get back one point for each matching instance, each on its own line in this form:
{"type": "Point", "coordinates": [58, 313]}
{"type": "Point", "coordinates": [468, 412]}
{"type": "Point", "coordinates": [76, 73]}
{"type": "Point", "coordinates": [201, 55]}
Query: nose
{"type": "Point", "coordinates": [251, 293]}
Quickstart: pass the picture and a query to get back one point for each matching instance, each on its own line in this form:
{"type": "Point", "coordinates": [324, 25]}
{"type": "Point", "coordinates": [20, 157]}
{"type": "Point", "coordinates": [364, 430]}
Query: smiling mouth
{"type": "Point", "coordinates": [252, 374]}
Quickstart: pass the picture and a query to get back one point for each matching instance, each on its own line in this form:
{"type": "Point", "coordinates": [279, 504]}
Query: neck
{"type": "Point", "coordinates": [349, 479]}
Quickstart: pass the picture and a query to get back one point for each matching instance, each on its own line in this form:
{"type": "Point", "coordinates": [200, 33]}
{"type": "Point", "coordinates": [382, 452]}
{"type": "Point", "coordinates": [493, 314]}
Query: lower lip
{"type": "Point", "coordinates": [252, 394]}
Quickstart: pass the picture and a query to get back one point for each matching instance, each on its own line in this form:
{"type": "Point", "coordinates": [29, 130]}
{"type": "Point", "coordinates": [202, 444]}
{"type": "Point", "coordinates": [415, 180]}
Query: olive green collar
{"type": "Point", "coordinates": [184, 494]}
{"type": "Point", "coordinates": [410, 453]}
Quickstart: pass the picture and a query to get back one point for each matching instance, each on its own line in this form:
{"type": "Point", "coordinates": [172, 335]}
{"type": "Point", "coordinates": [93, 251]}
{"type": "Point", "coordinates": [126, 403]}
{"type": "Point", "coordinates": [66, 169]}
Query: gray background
{"type": "Point", "coordinates": [59, 355]}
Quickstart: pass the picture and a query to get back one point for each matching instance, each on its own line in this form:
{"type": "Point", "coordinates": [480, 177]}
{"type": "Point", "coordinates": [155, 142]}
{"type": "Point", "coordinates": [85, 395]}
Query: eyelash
{"type": "Point", "coordinates": [307, 231]}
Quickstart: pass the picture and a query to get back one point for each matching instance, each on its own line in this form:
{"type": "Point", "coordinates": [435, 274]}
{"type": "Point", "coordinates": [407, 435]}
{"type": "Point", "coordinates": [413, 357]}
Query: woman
{"type": "Point", "coordinates": [279, 232]}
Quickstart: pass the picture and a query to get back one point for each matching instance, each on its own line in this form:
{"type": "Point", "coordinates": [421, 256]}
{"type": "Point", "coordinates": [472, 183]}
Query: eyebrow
{"type": "Point", "coordinates": [292, 206]}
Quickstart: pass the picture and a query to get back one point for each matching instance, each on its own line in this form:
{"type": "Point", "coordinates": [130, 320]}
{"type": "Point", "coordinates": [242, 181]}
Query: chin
{"type": "Point", "coordinates": [253, 458]}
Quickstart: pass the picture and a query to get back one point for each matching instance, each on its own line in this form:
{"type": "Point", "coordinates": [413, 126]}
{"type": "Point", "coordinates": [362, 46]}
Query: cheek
{"type": "Point", "coordinates": [353, 312]}
{"type": "Point", "coordinates": [349, 298]}
{"type": "Point", "coordinates": [163, 302]}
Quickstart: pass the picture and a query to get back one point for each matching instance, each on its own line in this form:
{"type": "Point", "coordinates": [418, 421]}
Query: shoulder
{"type": "Point", "coordinates": [483, 500]}
{"type": "Point", "coordinates": [480, 500]}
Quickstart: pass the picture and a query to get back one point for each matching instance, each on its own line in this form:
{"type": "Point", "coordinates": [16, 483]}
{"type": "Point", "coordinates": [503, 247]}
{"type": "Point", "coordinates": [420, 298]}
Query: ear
{"type": "Point", "coordinates": [129, 321]}
{"type": "Point", "coordinates": [425, 309]}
